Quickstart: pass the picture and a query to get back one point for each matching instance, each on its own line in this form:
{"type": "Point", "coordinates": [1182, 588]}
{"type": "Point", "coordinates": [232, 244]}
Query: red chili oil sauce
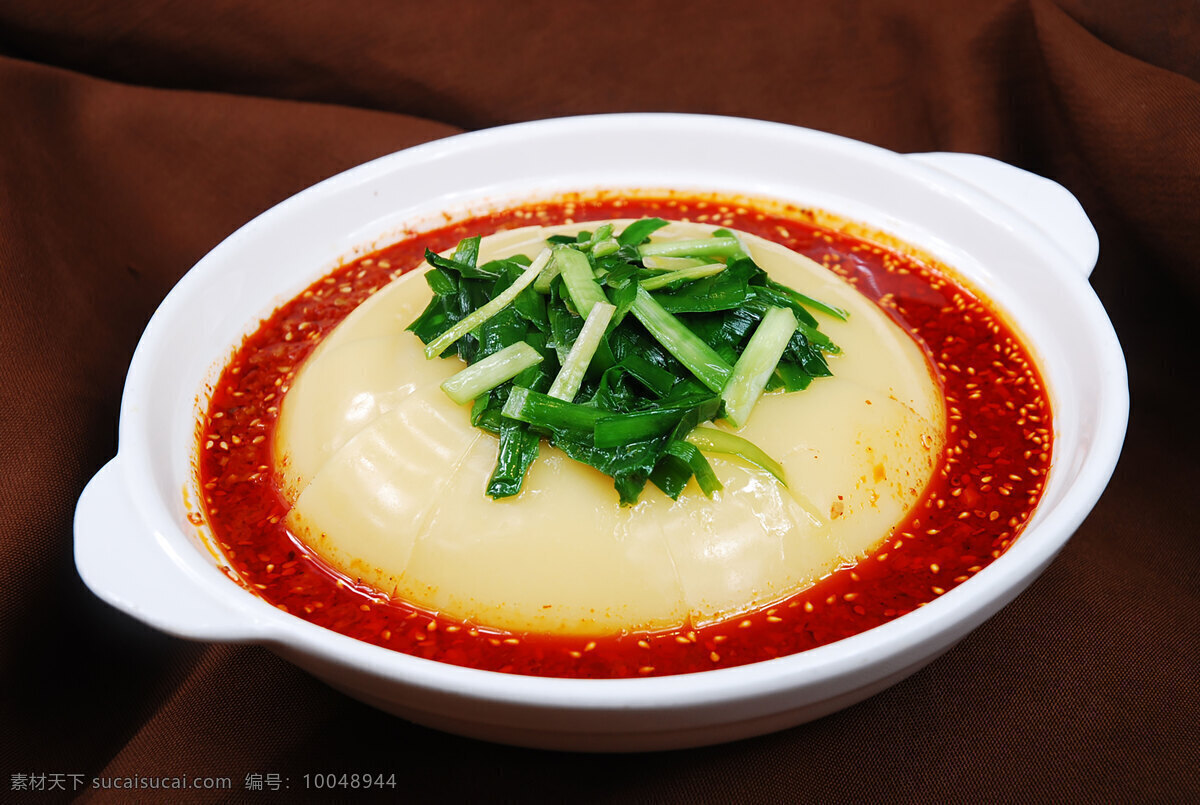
{"type": "Point", "coordinates": [989, 481]}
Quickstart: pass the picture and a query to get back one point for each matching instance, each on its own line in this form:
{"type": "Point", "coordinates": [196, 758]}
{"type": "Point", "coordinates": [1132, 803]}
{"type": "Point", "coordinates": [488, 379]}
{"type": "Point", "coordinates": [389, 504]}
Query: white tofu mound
{"type": "Point", "coordinates": [387, 477]}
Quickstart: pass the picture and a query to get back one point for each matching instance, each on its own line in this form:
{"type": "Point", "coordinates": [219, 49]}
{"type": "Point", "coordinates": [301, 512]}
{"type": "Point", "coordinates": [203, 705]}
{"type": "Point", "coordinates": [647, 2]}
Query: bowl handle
{"type": "Point", "coordinates": [137, 572]}
{"type": "Point", "coordinates": [1046, 204]}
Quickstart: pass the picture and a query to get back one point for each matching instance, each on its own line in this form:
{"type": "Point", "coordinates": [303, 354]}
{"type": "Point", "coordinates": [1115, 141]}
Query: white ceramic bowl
{"type": "Point", "coordinates": [1022, 240]}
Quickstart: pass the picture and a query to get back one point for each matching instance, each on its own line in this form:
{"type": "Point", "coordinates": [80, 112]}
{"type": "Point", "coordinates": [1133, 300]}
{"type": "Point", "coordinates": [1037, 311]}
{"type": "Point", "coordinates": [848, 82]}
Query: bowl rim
{"type": "Point", "coordinates": [972, 601]}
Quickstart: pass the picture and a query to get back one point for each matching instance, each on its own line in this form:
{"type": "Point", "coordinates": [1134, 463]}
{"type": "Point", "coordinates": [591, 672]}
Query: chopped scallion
{"type": "Point", "coordinates": [807, 301]}
{"type": "Point", "coordinates": [578, 277]}
{"type": "Point", "coordinates": [605, 247]}
{"type": "Point", "coordinates": [638, 231]}
{"type": "Point", "coordinates": [674, 263]}
{"type": "Point", "coordinates": [682, 274]}
{"type": "Point", "coordinates": [518, 449]}
{"type": "Point", "coordinates": [757, 363]}
{"type": "Point", "coordinates": [491, 308]}
{"type": "Point", "coordinates": [542, 283]}
{"type": "Point", "coordinates": [687, 347]}
{"type": "Point", "coordinates": [570, 376]}
{"type": "Point", "coordinates": [544, 411]}
{"type": "Point", "coordinates": [486, 374]}
{"type": "Point", "coordinates": [713, 440]}
{"type": "Point", "coordinates": [614, 430]}
{"type": "Point", "coordinates": [705, 477]}
{"type": "Point", "coordinates": [698, 247]}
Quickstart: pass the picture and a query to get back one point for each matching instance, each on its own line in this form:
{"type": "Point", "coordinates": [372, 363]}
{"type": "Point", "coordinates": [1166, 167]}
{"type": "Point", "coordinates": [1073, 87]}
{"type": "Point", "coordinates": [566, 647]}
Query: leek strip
{"type": "Point", "coordinates": [544, 411]}
{"type": "Point", "coordinates": [698, 247]}
{"type": "Point", "coordinates": [605, 248]}
{"type": "Point", "coordinates": [712, 440]}
{"type": "Point", "coordinates": [687, 347]}
{"type": "Point", "coordinates": [658, 381]}
{"type": "Point", "coordinates": [741, 253]}
{"type": "Point", "coordinates": [818, 338]}
{"type": "Point", "coordinates": [614, 430]}
{"type": "Point", "coordinates": [518, 449]}
{"type": "Point", "coordinates": [570, 376]}
{"type": "Point", "coordinates": [601, 234]}
{"type": "Point", "coordinates": [438, 345]}
{"type": "Point", "coordinates": [692, 273]}
{"type": "Point", "coordinates": [639, 230]}
{"type": "Point", "coordinates": [542, 283]}
{"type": "Point", "coordinates": [690, 454]}
{"type": "Point", "coordinates": [756, 364]}
{"type": "Point", "coordinates": [805, 300]}
{"type": "Point", "coordinates": [486, 374]}
{"type": "Point", "coordinates": [674, 263]}
{"type": "Point", "coordinates": [621, 429]}
{"type": "Point", "coordinates": [579, 279]}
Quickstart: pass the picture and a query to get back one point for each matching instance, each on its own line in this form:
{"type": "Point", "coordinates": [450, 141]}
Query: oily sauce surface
{"type": "Point", "coordinates": [990, 479]}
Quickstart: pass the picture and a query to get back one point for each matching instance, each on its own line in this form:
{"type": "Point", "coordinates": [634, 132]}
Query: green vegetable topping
{"type": "Point", "coordinates": [688, 273]}
{"type": "Point", "coordinates": [490, 372]}
{"type": "Point", "coordinates": [581, 282]}
{"type": "Point", "coordinates": [714, 440]}
{"type": "Point", "coordinates": [687, 347]}
{"type": "Point", "coordinates": [485, 312]}
{"type": "Point", "coordinates": [757, 364]}
{"type": "Point", "coordinates": [616, 348]}
{"type": "Point", "coordinates": [570, 376]}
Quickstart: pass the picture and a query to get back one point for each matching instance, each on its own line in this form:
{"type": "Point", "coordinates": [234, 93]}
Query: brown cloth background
{"type": "Point", "coordinates": [134, 136]}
